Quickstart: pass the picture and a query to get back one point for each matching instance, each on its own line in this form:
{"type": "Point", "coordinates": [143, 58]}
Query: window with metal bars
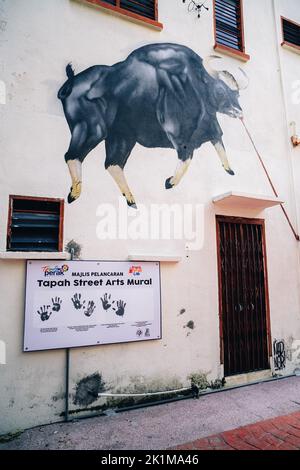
{"type": "Point", "coordinates": [35, 224]}
{"type": "Point", "coordinates": [143, 8]}
{"type": "Point", "coordinates": [229, 24]}
{"type": "Point", "coordinates": [291, 32]}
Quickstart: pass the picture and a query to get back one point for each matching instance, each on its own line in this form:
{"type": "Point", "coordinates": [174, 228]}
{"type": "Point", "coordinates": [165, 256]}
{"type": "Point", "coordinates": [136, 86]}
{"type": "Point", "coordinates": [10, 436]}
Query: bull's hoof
{"type": "Point", "coordinates": [75, 192]}
{"type": "Point", "coordinates": [230, 171]}
{"type": "Point", "coordinates": [168, 184]}
{"type": "Point", "coordinates": [132, 205]}
{"type": "Point", "coordinates": [70, 197]}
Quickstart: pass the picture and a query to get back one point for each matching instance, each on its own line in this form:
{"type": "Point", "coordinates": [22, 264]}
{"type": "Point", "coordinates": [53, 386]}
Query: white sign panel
{"type": "Point", "coordinates": [84, 303]}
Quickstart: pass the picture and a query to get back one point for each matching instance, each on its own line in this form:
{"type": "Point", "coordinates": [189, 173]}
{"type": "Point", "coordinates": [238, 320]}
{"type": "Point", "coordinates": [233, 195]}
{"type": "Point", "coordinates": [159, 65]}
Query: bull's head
{"type": "Point", "coordinates": [224, 94]}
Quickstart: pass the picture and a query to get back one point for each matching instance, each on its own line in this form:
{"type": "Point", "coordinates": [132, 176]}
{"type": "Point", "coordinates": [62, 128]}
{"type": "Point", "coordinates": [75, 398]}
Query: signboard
{"type": "Point", "coordinates": [85, 303]}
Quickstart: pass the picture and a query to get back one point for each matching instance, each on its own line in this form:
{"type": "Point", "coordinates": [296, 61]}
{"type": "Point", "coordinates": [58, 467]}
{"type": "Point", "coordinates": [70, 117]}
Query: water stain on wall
{"type": "Point", "coordinates": [87, 389]}
{"type": "Point", "coordinates": [190, 326]}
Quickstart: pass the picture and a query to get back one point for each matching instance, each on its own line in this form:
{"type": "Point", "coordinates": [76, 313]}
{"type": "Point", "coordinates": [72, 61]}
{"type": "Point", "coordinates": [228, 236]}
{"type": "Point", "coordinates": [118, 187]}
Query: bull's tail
{"type": "Point", "coordinates": [67, 87]}
{"type": "Point", "coordinates": [70, 71]}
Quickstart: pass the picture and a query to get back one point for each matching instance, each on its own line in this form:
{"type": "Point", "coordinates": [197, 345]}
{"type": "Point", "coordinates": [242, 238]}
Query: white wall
{"type": "Point", "coordinates": [37, 40]}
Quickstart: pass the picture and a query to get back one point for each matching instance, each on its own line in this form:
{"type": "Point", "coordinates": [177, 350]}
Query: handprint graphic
{"type": "Point", "coordinates": [56, 304]}
{"type": "Point", "coordinates": [77, 302]}
{"type": "Point", "coordinates": [90, 308]}
{"type": "Point", "coordinates": [120, 310]}
{"type": "Point", "coordinates": [106, 302]}
{"type": "Point", "coordinates": [44, 312]}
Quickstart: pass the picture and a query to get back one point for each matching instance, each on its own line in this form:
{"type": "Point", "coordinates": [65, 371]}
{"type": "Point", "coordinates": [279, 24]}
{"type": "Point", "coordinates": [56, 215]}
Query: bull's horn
{"type": "Point", "coordinates": [229, 79]}
{"type": "Point", "coordinates": [235, 83]}
{"type": "Point", "coordinates": [245, 82]}
{"type": "Point", "coordinates": [206, 64]}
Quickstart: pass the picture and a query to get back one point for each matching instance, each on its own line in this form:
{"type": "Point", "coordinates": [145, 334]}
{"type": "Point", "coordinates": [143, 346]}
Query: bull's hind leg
{"type": "Point", "coordinates": [82, 142]}
{"type": "Point", "coordinates": [181, 169]}
{"type": "Point", "coordinates": [117, 153]}
{"type": "Point", "coordinates": [76, 177]}
{"type": "Point", "coordinates": [118, 150]}
{"type": "Point", "coordinates": [118, 175]}
{"type": "Point", "coordinates": [184, 160]}
{"type": "Point", "coordinates": [172, 118]}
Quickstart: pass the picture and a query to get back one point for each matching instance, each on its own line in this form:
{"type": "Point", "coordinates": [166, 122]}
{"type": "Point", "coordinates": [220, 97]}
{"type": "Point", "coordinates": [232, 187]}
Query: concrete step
{"type": "Point", "coordinates": [241, 379]}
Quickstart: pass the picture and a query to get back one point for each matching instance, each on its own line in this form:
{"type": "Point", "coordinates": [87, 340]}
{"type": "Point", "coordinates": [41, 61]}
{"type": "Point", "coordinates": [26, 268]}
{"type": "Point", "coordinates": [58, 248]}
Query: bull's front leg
{"type": "Point", "coordinates": [118, 175]}
{"type": "Point", "coordinates": [76, 177]}
{"type": "Point", "coordinates": [181, 169]}
{"type": "Point", "coordinates": [219, 146]}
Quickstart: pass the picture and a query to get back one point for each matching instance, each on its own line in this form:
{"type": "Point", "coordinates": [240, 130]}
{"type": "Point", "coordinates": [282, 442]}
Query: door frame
{"type": "Point", "coordinates": [246, 220]}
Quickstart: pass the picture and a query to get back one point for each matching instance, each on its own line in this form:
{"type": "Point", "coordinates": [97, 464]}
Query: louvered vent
{"type": "Point", "coordinates": [291, 32]}
{"type": "Point", "coordinates": [144, 8]}
{"type": "Point", "coordinates": [228, 23]}
{"type": "Point", "coordinates": [34, 225]}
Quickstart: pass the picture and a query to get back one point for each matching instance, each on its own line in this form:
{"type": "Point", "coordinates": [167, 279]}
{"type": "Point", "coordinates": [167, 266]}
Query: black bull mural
{"type": "Point", "coordinates": [162, 95]}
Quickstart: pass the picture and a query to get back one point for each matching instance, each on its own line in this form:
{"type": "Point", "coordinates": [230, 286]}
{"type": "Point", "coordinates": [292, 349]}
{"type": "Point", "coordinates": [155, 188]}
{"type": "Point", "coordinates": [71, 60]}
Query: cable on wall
{"type": "Point", "coordinates": [270, 181]}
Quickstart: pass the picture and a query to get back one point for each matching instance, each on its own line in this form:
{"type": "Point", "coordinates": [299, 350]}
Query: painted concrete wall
{"type": "Point", "coordinates": [37, 40]}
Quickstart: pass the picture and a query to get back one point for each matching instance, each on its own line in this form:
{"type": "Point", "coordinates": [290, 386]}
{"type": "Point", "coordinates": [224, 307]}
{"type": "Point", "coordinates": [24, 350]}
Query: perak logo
{"type": "Point", "coordinates": [135, 270]}
{"type": "Point", "coordinates": [56, 271]}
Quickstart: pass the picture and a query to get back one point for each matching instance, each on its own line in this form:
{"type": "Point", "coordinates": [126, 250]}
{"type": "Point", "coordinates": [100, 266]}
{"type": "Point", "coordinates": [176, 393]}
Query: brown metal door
{"type": "Point", "coordinates": [243, 296]}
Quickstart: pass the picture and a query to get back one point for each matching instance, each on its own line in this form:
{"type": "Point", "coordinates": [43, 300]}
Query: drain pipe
{"type": "Point", "coordinates": [148, 394]}
{"type": "Point", "coordinates": [193, 394]}
{"type": "Point", "coordinates": [276, 16]}
{"type": "Point", "coordinates": [208, 392]}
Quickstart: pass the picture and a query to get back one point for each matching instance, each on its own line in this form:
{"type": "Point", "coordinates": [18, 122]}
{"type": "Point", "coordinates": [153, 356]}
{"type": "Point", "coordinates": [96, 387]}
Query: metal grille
{"type": "Point", "coordinates": [291, 32]}
{"type": "Point", "coordinates": [243, 297]}
{"type": "Point", "coordinates": [34, 225]}
{"type": "Point", "coordinates": [228, 23]}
